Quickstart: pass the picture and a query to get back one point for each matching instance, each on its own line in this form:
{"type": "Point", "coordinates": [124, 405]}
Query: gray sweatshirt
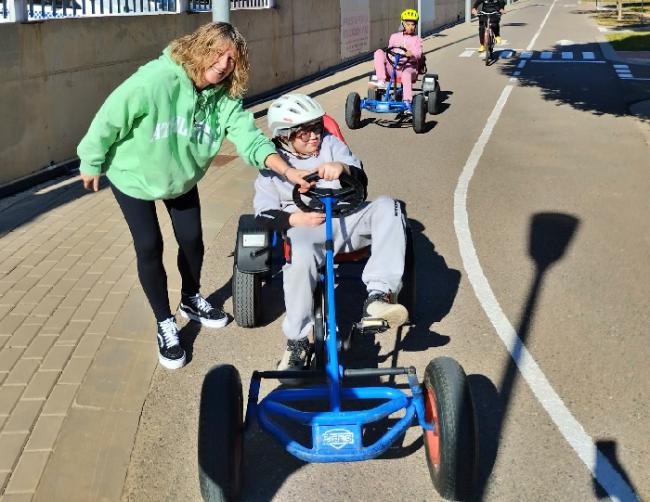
{"type": "Point", "coordinates": [274, 195]}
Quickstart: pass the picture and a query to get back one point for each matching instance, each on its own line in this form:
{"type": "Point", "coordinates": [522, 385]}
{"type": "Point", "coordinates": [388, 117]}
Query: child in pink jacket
{"type": "Point", "coordinates": [408, 64]}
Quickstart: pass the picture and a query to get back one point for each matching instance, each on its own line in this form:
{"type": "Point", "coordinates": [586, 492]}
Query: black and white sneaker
{"type": "Point", "coordinates": [198, 309]}
{"type": "Point", "coordinates": [378, 306]}
{"type": "Point", "coordinates": [170, 353]}
{"type": "Point", "coordinates": [295, 357]}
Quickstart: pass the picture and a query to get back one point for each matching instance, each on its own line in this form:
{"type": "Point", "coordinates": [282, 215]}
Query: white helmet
{"type": "Point", "coordinates": [292, 110]}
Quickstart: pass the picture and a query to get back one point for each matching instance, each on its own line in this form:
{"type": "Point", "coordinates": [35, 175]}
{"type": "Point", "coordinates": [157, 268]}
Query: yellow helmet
{"type": "Point", "coordinates": [410, 15]}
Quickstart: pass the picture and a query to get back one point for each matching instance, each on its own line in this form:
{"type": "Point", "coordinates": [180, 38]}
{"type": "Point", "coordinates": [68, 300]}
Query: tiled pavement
{"type": "Point", "coordinates": [77, 350]}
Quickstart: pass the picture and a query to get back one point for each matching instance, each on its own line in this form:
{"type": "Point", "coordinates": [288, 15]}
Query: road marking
{"type": "Point", "coordinates": [566, 62]}
{"type": "Point", "coordinates": [597, 463]}
{"type": "Point", "coordinates": [588, 55]}
{"type": "Point", "coordinates": [506, 54]}
{"type": "Point", "coordinates": [526, 55]}
{"type": "Point", "coordinates": [621, 66]}
{"type": "Point", "coordinates": [567, 55]}
{"type": "Point", "coordinates": [516, 74]}
{"type": "Point", "coordinates": [521, 64]}
{"type": "Point", "coordinates": [546, 55]}
{"type": "Point", "coordinates": [466, 54]}
{"type": "Point", "coordinates": [565, 42]}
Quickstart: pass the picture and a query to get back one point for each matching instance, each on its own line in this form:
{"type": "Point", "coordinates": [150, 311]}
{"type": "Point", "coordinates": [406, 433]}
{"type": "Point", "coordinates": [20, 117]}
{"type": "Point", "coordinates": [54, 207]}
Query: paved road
{"type": "Point", "coordinates": [529, 194]}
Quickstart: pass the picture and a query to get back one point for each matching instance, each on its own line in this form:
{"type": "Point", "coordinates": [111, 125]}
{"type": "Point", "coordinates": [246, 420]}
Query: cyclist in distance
{"type": "Point", "coordinates": [488, 7]}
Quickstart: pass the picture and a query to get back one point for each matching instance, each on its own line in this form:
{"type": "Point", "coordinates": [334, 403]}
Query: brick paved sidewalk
{"type": "Point", "coordinates": [77, 347]}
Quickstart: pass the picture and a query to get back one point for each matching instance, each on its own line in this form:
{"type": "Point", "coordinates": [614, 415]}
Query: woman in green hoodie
{"type": "Point", "coordinates": [154, 138]}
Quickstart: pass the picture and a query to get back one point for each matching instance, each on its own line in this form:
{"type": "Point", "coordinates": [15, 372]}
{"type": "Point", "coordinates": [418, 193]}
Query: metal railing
{"type": "Point", "coordinates": [206, 5]}
{"type": "Point", "coordinates": [53, 9]}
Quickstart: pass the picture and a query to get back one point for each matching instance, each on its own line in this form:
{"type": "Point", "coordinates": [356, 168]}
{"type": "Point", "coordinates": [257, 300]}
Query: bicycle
{"type": "Point", "coordinates": [488, 35]}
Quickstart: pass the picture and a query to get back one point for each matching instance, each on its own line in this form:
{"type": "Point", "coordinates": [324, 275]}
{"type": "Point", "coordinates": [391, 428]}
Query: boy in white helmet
{"type": "Point", "coordinates": [296, 123]}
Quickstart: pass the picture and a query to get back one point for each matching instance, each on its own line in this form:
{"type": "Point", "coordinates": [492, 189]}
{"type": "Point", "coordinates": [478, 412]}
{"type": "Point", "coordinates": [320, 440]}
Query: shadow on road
{"type": "Point", "coordinates": [19, 209]}
{"type": "Point", "coordinates": [607, 448]}
{"type": "Point", "coordinates": [549, 238]}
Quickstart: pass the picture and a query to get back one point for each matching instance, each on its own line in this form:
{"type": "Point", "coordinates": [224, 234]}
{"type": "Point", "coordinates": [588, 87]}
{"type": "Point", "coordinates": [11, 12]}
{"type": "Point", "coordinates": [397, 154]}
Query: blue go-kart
{"type": "Point", "coordinates": [390, 100]}
{"type": "Point", "coordinates": [442, 405]}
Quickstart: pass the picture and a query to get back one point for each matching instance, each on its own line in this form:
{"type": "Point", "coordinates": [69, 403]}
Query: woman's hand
{"type": "Point", "coordinates": [474, 11]}
{"type": "Point", "coordinates": [302, 219]}
{"type": "Point", "coordinates": [90, 182]}
{"type": "Point", "coordinates": [296, 176]}
{"type": "Point", "coordinates": [331, 170]}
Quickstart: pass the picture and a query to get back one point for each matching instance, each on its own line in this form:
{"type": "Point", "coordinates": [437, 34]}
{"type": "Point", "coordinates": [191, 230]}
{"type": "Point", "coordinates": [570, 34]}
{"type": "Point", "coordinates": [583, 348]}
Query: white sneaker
{"type": "Point", "coordinates": [378, 306]}
{"type": "Point", "coordinates": [377, 84]}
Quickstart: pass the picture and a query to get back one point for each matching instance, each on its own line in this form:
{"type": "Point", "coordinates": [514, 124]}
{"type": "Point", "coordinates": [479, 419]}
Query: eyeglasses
{"type": "Point", "coordinates": [304, 133]}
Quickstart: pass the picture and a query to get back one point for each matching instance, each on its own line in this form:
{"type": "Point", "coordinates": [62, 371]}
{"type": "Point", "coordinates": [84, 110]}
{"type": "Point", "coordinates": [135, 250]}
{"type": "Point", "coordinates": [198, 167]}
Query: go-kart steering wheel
{"type": "Point", "coordinates": [345, 199]}
{"type": "Point", "coordinates": [397, 56]}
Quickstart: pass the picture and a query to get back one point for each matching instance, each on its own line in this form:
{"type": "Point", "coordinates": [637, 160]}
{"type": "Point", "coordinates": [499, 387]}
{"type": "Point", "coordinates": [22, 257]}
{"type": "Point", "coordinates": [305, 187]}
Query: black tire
{"type": "Point", "coordinates": [246, 298]}
{"type": "Point", "coordinates": [419, 113]}
{"type": "Point", "coordinates": [221, 435]}
{"type": "Point", "coordinates": [372, 94]}
{"type": "Point", "coordinates": [489, 49]}
{"type": "Point", "coordinates": [319, 329]}
{"type": "Point", "coordinates": [407, 295]}
{"type": "Point", "coordinates": [353, 110]}
{"type": "Point", "coordinates": [452, 453]}
{"type": "Point", "coordinates": [433, 101]}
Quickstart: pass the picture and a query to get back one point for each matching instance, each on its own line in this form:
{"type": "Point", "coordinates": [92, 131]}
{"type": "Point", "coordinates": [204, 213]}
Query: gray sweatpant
{"type": "Point", "coordinates": [382, 219]}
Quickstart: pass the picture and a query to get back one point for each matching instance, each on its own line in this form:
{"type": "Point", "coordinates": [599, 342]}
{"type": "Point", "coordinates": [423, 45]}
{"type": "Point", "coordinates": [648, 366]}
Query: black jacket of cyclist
{"type": "Point", "coordinates": [488, 6]}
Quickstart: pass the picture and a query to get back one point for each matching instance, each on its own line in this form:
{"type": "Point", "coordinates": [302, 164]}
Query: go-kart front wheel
{"type": "Point", "coordinates": [419, 113]}
{"type": "Point", "coordinates": [451, 448]}
{"type": "Point", "coordinates": [221, 431]}
{"type": "Point", "coordinates": [433, 101]}
{"type": "Point", "coordinates": [353, 110]}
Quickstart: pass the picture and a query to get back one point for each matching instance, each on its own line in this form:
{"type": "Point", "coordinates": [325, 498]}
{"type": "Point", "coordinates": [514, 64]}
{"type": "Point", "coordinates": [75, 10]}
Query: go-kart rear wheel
{"type": "Point", "coordinates": [319, 329]}
{"type": "Point", "coordinates": [433, 101]}
{"type": "Point", "coordinates": [221, 437]}
{"type": "Point", "coordinates": [419, 113]}
{"type": "Point", "coordinates": [246, 297]}
{"type": "Point", "coordinates": [451, 449]}
{"type": "Point", "coordinates": [353, 111]}
{"type": "Point", "coordinates": [372, 94]}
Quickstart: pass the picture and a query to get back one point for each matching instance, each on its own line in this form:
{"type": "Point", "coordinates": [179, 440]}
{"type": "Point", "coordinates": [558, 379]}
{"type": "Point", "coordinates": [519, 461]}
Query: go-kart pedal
{"type": "Point", "coordinates": [371, 326]}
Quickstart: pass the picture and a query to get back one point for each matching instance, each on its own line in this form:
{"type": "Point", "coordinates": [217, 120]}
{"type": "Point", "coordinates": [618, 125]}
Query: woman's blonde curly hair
{"type": "Point", "coordinates": [196, 51]}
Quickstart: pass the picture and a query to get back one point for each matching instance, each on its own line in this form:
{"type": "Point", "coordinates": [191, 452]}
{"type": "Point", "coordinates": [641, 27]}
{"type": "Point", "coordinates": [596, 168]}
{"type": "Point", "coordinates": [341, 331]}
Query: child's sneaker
{"type": "Point", "coordinates": [378, 305]}
{"type": "Point", "coordinates": [377, 84]}
{"type": "Point", "coordinates": [498, 40]}
{"type": "Point", "coordinates": [295, 357]}
{"type": "Point", "coordinates": [170, 353]}
{"type": "Point", "coordinates": [198, 309]}
{"type": "Point", "coordinates": [481, 48]}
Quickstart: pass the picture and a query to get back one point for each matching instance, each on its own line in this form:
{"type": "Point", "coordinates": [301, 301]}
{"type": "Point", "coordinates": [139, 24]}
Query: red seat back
{"type": "Point", "coordinates": [332, 127]}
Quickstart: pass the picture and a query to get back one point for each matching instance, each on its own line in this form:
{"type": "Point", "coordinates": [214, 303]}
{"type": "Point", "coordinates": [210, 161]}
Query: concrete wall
{"type": "Point", "coordinates": [54, 75]}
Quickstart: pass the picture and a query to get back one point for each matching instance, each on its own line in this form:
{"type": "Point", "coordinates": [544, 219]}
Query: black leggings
{"type": "Point", "coordinates": [185, 213]}
{"type": "Point", "coordinates": [496, 27]}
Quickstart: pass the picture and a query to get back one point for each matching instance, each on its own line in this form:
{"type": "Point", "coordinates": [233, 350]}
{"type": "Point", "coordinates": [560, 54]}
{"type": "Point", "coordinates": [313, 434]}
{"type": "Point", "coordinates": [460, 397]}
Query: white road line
{"type": "Point", "coordinates": [466, 54]}
{"type": "Point", "coordinates": [526, 55]}
{"type": "Point", "coordinates": [516, 73]}
{"type": "Point", "coordinates": [566, 62]}
{"type": "Point", "coordinates": [621, 66]}
{"type": "Point", "coordinates": [567, 55]}
{"type": "Point", "coordinates": [546, 55]}
{"type": "Point", "coordinates": [521, 64]}
{"type": "Point", "coordinates": [599, 465]}
{"type": "Point", "coordinates": [505, 54]}
{"type": "Point", "coordinates": [588, 55]}
{"type": "Point", "coordinates": [541, 26]}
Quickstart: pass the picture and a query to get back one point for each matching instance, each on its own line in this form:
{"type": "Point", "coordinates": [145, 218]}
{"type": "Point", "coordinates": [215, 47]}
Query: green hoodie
{"type": "Point", "coordinates": [155, 135]}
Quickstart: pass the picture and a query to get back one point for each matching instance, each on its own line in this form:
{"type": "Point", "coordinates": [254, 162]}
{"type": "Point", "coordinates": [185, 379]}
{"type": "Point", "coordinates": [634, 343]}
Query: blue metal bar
{"type": "Point", "coordinates": [338, 418]}
{"type": "Point", "coordinates": [332, 366]}
{"type": "Point", "coordinates": [365, 453]}
{"type": "Point", "coordinates": [321, 392]}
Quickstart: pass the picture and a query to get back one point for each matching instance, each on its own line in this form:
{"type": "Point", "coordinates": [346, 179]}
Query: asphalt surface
{"type": "Point", "coordinates": [557, 213]}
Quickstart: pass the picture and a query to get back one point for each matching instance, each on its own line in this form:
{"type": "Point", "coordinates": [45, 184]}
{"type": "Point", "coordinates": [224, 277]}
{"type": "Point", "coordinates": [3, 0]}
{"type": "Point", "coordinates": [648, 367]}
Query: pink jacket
{"type": "Point", "coordinates": [412, 43]}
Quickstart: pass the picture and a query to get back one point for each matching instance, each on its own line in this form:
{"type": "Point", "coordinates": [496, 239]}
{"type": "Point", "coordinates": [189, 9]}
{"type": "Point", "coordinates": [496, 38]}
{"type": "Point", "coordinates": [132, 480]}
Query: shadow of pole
{"type": "Point", "coordinates": [550, 235]}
